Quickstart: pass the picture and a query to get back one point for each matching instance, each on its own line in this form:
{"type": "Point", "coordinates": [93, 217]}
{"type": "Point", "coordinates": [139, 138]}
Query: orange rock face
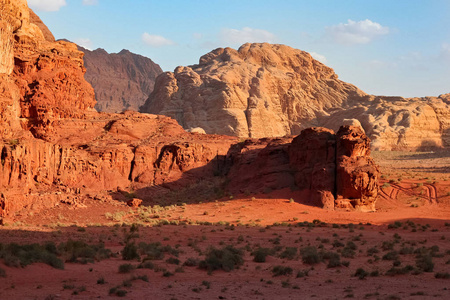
{"type": "Point", "coordinates": [334, 170]}
{"type": "Point", "coordinates": [55, 148]}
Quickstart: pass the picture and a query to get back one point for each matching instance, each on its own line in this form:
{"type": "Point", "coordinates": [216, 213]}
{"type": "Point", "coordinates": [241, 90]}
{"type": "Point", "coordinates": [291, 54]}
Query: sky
{"type": "Point", "coordinates": [384, 47]}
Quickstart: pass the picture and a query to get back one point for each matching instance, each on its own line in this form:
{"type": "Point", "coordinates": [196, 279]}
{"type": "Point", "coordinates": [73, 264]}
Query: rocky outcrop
{"type": "Point", "coordinates": [55, 148]}
{"type": "Point", "coordinates": [264, 90]}
{"type": "Point", "coordinates": [335, 171]}
{"type": "Point", "coordinates": [121, 81]}
{"type": "Point", "coordinates": [396, 123]}
{"type": "Point", "coordinates": [260, 90]}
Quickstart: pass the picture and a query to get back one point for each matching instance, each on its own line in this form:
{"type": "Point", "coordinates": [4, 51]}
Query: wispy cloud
{"type": "Point", "coordinates": [85, 43]}
{"type": "Point", "coordinates": [90, 2]}
{"type": "Point", "coordinates": [360, 32]}
{"type": "Point", "coordinates": [319, 57]}
{"type": "Point", "coordinates": [156, 40]}
{"type": "Point", "coordinates": [445, 52]}
{"type": "Point", "coordinates": [246, 35]}
{"type": "Point", "coordinates": [46, 5]}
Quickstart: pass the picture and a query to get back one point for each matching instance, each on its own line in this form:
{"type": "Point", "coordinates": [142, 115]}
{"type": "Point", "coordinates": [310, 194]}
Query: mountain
{"type": "Point", "coordinates": [265, 90]}
{"type": "Point", "coordinates": [121, 81]}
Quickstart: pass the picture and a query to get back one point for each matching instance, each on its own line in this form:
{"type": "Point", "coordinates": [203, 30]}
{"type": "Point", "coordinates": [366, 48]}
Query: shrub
{"type": "Point", "coordinates": [126, 268]}
{"type": "Point", "coordinates": [445, 275]}
{"type": "Point", "coordinates": [302, 273]}
{"type": "Point", "coordinates": [281, 271]}
{"type": "Point", "coordinates": [173, 261]}
{"type": "Point", "coordinates": [392, 255]}
{"type": "Point", "coordinates": [309, 255]}
{"type": "Point", "coordinates": [260, 254]}
{"type": "Point", "coordinates": [289, 253]}
{"type": "Point", "coordinates": [15, 255]}
{"type": "Point", "coordinates": [361, 273]}
{"type": "Point", "coordinates": [228, 258]}
{"type": "Point", "coordinates": [130, 252]}
{"type": "Point", "coordinates": [2, 273]}
{"type": "Point", "coordinates": [191, 262]}
{"type": "Point", "coordinates": [334, 259]}
{"type": "Point", "coordinates": [425, 263]}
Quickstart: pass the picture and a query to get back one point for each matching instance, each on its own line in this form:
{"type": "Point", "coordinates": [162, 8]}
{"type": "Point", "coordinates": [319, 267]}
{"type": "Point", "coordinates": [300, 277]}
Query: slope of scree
{"type": "Point", "coordinates": [264, 90]}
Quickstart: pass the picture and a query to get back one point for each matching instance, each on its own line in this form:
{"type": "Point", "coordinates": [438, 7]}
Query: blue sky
{"type": "Point", "coordinates": [395, 47]}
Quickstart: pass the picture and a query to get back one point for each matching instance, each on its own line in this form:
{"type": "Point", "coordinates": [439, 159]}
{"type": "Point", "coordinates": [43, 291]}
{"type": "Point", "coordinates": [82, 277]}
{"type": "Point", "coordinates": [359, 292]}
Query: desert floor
{"type": "Point", "coordinates": [401, 251]}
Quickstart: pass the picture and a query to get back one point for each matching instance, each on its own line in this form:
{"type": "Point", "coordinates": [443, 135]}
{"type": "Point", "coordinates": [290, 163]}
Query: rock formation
{"type": "Point", "coordinates": [335, 171]}
{"type": "Point", "coordinates": [55, 148]}
{"type": "Point", "coordinates": [264, 90]}
{"type": "Point", "coordinates": [260, 90]}
{"type": "Point", "coordinates": [121, 81]}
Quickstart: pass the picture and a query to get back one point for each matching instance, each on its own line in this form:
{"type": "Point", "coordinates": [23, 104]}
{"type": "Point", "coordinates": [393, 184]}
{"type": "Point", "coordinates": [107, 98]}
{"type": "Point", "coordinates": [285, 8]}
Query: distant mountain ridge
{"type": "Point", "coordinates": [121, 81]}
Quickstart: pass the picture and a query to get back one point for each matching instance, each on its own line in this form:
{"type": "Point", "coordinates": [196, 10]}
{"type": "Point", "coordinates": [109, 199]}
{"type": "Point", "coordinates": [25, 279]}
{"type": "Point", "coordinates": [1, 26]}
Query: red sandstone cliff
{"type": "Point", "coordinates": [56, 148]}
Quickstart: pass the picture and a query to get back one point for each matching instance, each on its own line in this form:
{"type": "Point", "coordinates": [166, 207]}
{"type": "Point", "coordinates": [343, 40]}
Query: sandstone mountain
{"type": "Point", "coordinates": [264, 90]}
{"type": "Point", "coordinates": [56, 148]}
{"type": "Point", "coordinates": [121, 81]}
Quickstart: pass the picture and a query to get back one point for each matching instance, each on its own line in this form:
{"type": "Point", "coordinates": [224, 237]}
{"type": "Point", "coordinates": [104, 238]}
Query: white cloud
{"type": "Point", "coordinates": [361, 32]}
{"type": "Point", "coordinates": [319, 57]}
{"type": "Point", "coordinates": [90, 2]}
{"type": "Point", "coordinates": [246, 35]}
{"type": "Point", "coordinates": [156, 40]}
{"type": "Point", "coordinates": [85, 43]}
{"type": "Point", "coordinates": [46, 5]}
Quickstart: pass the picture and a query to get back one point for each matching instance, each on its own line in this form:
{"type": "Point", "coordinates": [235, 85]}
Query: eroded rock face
{"type": "Point", "coordinates": [264, 90]}
{"type": "Point", "coordinates": [335, 171]}
{"type": "Point", "coordinates": [260, 90]}
{"type": "Point", "coordinates": [122, 81]}
{"type": "Point", "coordinates": [55, 148]}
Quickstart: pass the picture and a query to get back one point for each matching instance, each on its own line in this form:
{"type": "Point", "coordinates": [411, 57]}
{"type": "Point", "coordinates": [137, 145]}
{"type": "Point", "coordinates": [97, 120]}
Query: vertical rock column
{"type": "Point", "coordinates": [357, 174]}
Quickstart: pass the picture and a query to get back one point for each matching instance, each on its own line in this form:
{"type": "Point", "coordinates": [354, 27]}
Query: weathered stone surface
{"type": "Point", "coordinates": [264, 90]}
{"type": "Point", "coordinates": [260, 90]}
{"type": "Point", "coordinates": [357, 174]}
{"type": "Point", "coordinates": [135, 202]}
{"type": "Point", "coordinates": [335, 170]}
{"type": "Point", "coordinates": [121, 81]}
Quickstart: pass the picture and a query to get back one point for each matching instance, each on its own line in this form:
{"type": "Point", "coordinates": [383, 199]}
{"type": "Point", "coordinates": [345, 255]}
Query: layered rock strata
{"type": "Point", "coordinates": [264, 90]}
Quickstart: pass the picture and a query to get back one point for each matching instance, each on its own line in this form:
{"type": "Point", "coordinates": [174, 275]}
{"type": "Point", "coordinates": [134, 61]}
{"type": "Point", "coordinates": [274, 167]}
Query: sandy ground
{"type": "Point", "coordinates": [414, 193]}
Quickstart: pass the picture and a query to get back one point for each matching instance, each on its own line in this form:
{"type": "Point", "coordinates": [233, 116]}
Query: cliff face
{"type": "Point", "coordinates": [260, 90]}
{"type": "Point", "coordinates": [333, 171]}
{"type": "Point", "coordinates": [264, 90]}
{"type": "Point", "coordinates": [56, 148]}
{"type": "Point", "coordinates": [122, 81]}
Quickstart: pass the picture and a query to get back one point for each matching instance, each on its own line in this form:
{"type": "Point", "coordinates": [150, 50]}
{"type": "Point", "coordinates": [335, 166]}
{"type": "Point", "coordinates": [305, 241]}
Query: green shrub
{"type": "Point", "coordinates": [126, 268]}
{"type": "Point", "coordinates": [425, 263]}
{"type": "Point", "coordinates": [361, 273]}
{"type": "Point", "coordinates": [228, 258]}
{"type": "Point", "coordinates": [392, 255]}
{"type": "Point", "coordinates": [309, 255]}
{"type": "Point", "coordinates": [445, 275]}
{"type": "Point", "coordinates": [281, 271]}
{"type": "Point", "coordinates": [191, 262]}
{"type": "Point", "coordinates": [289, 253]}
{"type": "Point", "coordinates": [173, 261]}
{"type": "Point", "coordinates": [260, 254]}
